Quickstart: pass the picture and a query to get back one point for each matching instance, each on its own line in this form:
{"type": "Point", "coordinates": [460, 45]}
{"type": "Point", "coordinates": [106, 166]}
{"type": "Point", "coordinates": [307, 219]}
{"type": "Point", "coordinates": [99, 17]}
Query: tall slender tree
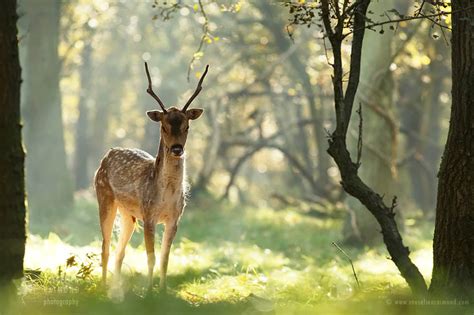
{"type": "Point", "coordinates": [421, 113]}
{"type": "Point", "coordinates": [453, 248]}
{"type": "Point", "coordinates": [379, 150]}
{"type": "Point", "coordinates": [49, 183]}
{"type": "Point", "coordinates": [81, 152]}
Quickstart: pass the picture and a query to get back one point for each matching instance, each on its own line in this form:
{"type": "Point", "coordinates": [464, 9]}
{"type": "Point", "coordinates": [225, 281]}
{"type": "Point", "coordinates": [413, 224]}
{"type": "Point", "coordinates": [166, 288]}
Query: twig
{"type": "Point", "coordinates": [205, 34]}
{"type": "Point", "coordinates": [359, 140]}
{"type": "Point", "coordinates": [350, 261]}
{"type": "Point", "coordinates": [411, 18]}
{"type": "Point", "coordinates": [418, 12]}
{"type": "Point", "coordinates": [394, 204]}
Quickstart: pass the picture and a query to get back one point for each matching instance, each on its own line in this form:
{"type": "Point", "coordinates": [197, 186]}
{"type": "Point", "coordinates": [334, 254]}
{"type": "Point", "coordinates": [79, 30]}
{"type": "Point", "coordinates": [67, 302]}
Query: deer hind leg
{"type": "Point", "coordinates": [149, 231]}
{"type": "Point", "coordinates": [107, 213]}
{"type": "Point", "coordinates": [168, 237]}
{"type": "Point", "coordinates": [127, 226]}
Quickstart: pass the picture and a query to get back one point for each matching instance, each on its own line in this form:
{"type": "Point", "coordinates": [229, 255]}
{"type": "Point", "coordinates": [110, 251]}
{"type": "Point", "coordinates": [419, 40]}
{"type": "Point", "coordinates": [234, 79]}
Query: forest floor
{"type": "Point", "coordinates": [224, 261]}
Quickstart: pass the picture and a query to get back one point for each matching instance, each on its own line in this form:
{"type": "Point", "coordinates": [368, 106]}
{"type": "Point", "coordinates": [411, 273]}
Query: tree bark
{"type": "Point", "coordinates": [453, 247]}
{"type": "Point", "coordinates": [49, 183]}
{"type": "Point", "coordinates": [12, 186]}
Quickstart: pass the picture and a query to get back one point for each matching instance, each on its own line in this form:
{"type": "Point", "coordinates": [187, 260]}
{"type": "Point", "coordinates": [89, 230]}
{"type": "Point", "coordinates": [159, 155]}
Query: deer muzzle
{"type": "Point", "coordinates": [177, 149]}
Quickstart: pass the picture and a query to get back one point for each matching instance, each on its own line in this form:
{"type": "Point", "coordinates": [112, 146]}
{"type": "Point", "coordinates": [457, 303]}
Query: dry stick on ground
{"type": "Point", "coordinates": [350, 261]}
{"type": "Point", "coordinates": [351, 182]}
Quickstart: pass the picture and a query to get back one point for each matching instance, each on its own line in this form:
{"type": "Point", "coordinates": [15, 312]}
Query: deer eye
{"type": "Point", "coordinates": [187, 128]}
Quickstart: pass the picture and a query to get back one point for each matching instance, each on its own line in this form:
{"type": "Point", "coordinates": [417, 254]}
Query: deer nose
{"type": "Point", "coordinates": [177, 149]}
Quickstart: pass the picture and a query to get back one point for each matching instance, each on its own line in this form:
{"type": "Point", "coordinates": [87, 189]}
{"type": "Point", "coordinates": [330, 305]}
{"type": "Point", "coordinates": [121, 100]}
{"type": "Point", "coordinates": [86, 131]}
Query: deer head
{"type": "Point", "coordinates": [174, 121]}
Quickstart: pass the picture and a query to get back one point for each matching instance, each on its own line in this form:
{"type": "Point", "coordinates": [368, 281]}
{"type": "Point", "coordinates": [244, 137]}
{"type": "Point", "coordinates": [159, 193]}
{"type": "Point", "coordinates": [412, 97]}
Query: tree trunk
{"type": "Point", "coordinates": [413, 108]}
{"type": "Point", "coordinates": [49, 182]}
{"type": "Point", "coordinates": [12, 186]}
{"type": "Point", "coordinates": [379, 149]}
{"type": "Point", "coordinates": [81, 152]}
{"type": "Point", "coordinates": [420, 111]}
{"type": "Point", "coordinates": [211, 150]}
{"type": "Point", "coordinates": [107, 91]}
{"type": "Point", "coordinates": [453, 248]}
{"type": "Point", "coordinates": [432, 151]}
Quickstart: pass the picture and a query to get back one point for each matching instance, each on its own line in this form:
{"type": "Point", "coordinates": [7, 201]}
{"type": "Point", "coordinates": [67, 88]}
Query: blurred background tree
{"type": "Point", "coordinates": [49, 184]}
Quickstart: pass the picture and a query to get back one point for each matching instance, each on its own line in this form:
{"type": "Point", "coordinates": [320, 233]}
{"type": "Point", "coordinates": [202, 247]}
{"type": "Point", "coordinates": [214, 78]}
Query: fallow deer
{"type": "Point", "coordinates": [146, 188]}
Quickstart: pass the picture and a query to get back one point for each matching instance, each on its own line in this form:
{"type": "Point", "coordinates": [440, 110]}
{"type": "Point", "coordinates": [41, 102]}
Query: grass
{"type": "Point", "coordinates": [229, 260]}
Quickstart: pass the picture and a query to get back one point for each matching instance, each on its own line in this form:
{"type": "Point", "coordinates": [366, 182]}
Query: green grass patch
{"type": "Point", "coordinates": [225, 260]}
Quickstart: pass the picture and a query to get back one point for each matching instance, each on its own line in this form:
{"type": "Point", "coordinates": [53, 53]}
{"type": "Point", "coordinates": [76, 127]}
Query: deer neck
{"type": "Point", "coordinates": [168, 168]}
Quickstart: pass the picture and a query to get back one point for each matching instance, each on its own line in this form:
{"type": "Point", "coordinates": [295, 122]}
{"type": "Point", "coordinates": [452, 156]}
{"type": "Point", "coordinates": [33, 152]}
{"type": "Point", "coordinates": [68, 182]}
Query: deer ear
{"type": "Point", "coordinates": [155, 115]}
{"type": "Point", "coordinates": [194, 113]}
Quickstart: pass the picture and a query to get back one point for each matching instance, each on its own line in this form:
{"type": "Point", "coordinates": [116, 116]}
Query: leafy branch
{"type": "Point", "coordinates": [303, 13]}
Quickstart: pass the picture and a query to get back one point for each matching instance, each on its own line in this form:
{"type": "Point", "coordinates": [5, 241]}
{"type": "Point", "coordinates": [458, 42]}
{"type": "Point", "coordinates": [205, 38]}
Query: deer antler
{"type": "Point", "coordinates": [198, 89]}
{"type": "Point", "coordinates": [150, 90]}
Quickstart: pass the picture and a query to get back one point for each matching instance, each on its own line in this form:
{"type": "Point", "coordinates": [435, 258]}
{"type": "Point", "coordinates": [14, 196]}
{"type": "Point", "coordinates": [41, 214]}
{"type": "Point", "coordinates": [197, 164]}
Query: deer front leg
{"type": "Point", "coordinates": [149, 230]}
{"type": "Point", "coordinates": [168, 237]}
